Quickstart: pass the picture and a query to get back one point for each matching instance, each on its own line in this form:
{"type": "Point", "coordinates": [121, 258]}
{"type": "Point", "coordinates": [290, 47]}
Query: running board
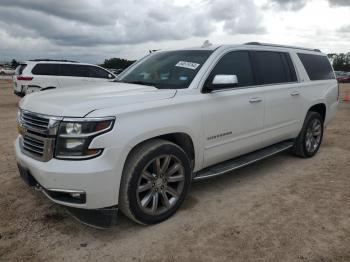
{"type": "Point", "coordinates": [241, 161]}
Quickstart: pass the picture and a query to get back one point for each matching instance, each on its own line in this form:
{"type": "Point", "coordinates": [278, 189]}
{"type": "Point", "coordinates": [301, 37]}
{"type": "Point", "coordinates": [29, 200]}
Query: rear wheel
{"type": "Point", "coordinates": [310, 138]}
{"type": "Point", "coordinates": [155, 182]}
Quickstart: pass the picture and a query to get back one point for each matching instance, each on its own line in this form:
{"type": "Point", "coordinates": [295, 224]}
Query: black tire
{"type": "Point", "coordinates": [301, 147]}
{"type": "Point", "coordinates": [141, 160]}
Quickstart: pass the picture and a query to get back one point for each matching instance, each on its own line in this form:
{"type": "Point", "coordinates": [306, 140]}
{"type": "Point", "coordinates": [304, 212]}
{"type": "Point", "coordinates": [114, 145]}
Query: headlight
{"type": "Point", "coordinates": [75, 135]}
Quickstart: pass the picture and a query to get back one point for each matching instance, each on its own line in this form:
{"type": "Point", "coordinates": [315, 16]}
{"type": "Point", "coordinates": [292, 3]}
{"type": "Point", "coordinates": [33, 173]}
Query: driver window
{"type": "Point", "coordinates": [235, 63]}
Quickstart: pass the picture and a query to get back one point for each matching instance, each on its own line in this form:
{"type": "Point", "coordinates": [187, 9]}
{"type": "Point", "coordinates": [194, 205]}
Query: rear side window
{"type": "Point", "coordinates": [317, 67]}
{"type": "Point", "coordinates": [46, 69]}
{"type": "Point", "coordinates": [74, 70]}
{"type": "Point", "coordinates": [97, 72]}
{"type": "Point", "coordinates": [274, 67]}
{"type": "Point", "coordinates": [235, 63]}
{"type": "Point", "coordinates": [19, 69]}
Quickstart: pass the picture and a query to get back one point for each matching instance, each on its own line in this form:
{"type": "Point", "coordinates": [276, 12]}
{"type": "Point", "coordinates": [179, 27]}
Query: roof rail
{"type": "Point", "coordinates": [53, 60]}
{"type": "Point", "coordinates": [286, 46]}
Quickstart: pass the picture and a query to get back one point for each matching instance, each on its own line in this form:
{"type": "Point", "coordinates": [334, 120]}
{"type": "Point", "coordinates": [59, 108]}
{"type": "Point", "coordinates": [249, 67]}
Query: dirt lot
{"type": "Point", "coordinates": [280, 209]}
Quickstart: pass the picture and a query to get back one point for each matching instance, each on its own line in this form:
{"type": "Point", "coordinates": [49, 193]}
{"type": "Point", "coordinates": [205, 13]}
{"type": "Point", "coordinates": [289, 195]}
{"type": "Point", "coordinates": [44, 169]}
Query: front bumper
{"type": "Point", "coordinates": [99, 218]}
{"type": "Point", "coordinates": [98, 179]}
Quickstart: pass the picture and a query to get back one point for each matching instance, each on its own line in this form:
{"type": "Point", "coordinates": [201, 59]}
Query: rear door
{"type": "Point", "coordinates": [283, 105]}
{"type": "Point", "coordinates": [44, 76]}
{"type": "Point", "coordinates": [73, 75]}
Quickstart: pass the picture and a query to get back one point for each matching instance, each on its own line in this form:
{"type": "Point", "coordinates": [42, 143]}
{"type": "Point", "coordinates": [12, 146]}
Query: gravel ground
{"type": "Point", "coordinates": [280, 209]}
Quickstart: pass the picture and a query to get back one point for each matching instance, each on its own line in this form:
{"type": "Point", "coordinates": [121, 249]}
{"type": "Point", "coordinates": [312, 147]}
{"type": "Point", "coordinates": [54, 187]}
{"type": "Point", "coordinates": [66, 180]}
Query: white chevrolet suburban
{"type": "Point", "coordinates": [44, 74]}
{"type": "Point", "coordinates": [174, 116]}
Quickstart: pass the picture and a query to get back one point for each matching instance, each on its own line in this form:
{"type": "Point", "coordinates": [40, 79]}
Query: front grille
{"type": "Point", "coordinates": [33, 145]}
{"type": "Point", "coordinates": [38, 134]}
{"type": "Point", "coordinates": [35, 122]}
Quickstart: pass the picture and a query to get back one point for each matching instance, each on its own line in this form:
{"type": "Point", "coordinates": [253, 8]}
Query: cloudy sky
{"type": "Point", "coordinates": [92, 30]}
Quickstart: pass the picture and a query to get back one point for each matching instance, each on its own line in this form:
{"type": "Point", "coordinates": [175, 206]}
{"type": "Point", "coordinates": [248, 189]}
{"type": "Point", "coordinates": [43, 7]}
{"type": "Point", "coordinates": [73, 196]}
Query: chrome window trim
{"type": "Point", "coordinates": [254, 86]}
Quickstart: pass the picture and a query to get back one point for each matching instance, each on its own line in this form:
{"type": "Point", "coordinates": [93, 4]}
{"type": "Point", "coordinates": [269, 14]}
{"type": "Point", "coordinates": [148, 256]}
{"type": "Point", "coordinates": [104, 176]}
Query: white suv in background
{"type": "Point", "coordinates": [136, 144]}
{"type": "Point", "coordinates": [39, 75]}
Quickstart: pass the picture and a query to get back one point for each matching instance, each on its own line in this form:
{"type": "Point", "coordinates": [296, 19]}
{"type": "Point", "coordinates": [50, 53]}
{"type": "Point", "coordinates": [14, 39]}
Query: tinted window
{"type": "Point", "coordinates": [46, 69]}
{"type": "Point", "coordinates": [97, 72]}
{"type": "Point", "coordinates": [274, 67]}
{"type": "Point", "coordinates": [19, 69]}
{"type": "Point", "coordinates": [167, 70]}
{"type": "Point", "coordinates": [74, 70]}
{"type": "Point", "coordinates": [318, 67]}
{"type": "Point", "coordinates": [235, 63]}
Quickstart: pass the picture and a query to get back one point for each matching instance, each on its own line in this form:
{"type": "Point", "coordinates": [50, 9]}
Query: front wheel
{"type": "Point", "coordinates": [310, 138]}
{"type": "Point", "coordinates": [155, 181]}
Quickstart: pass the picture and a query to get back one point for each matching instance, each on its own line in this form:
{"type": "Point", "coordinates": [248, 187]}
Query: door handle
{"type": "Point", "coordinates": [255, 100]}
{"type": "Point", "coordinates": [295, 93]}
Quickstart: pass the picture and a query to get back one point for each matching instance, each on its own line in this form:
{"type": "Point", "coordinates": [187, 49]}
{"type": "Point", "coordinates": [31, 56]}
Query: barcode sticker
{"type": "Point", "coordinates": [188, 65]}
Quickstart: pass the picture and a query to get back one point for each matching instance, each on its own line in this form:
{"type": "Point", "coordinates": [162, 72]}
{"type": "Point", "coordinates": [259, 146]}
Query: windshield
{"type": "Point", "coordinates": [167, 70]}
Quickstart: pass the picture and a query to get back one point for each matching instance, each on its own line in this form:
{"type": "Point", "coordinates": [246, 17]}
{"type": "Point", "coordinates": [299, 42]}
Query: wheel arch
{"type": "Point", "coordinates": [319, 108]}
{"type": "Point", "coordinates": [182, 139]}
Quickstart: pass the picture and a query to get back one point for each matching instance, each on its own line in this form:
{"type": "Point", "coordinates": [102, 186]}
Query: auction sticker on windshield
{"type": "Point", "coordinates": [188, 65]}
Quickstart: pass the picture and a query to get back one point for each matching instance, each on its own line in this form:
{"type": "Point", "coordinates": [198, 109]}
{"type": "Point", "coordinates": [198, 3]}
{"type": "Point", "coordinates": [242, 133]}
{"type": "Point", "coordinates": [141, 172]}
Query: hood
{"type": "Point", "coordinates": [79, 101]}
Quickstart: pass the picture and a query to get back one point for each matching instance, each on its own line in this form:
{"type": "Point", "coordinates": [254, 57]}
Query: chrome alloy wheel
{"type": "Point", "coordinates": [160, 184]}
{"type": "Point", "coordinates": [313, 135]}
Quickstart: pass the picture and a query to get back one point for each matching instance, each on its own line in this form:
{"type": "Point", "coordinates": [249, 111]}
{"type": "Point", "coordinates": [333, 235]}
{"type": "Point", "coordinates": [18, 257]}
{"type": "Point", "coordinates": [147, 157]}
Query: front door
{"type": "Point", "coordinates": [233, 117]}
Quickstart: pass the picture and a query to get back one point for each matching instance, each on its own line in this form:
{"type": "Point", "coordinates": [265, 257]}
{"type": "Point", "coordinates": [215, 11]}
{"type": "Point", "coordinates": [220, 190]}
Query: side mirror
{"type": "Point", "coordinates": [221, 82]}
{"type": "Point", "coordinates": [226, 80]}
{"type": "Point", "coordinates": [110, 76]}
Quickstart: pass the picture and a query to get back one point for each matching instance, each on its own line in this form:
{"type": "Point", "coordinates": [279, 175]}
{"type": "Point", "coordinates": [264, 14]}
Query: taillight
{"type": "Point", "coordinates": [25, 78]}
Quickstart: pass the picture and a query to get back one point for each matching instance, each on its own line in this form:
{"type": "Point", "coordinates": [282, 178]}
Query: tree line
{"type": "Point", "coordinates": [117, 63]}
{"type": "Point", "coordinates": [13, 64]}
{"type": "Point", "coordinates": [341, 62]}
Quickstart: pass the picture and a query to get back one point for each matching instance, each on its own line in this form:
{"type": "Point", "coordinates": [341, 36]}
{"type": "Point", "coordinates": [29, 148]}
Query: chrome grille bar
{"type": "Point", "coordinates": [31, 123]}
{"type": "Point", "coordinates": [36, 122]}
{"type": "Point", "coordinates": [34, 144]}
{"type": "Point", "coordinates": [31, 149]}
{"type": "Point", "coordinates": [28, 117]}
{"type": "Point", "coordinates": [38, 134]}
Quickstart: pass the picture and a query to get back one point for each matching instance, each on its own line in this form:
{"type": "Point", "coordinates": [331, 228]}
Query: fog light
{"type": "Point", "coordinates": [76, 195]}
{"type": "Point", "coordinates": [74, 143]}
